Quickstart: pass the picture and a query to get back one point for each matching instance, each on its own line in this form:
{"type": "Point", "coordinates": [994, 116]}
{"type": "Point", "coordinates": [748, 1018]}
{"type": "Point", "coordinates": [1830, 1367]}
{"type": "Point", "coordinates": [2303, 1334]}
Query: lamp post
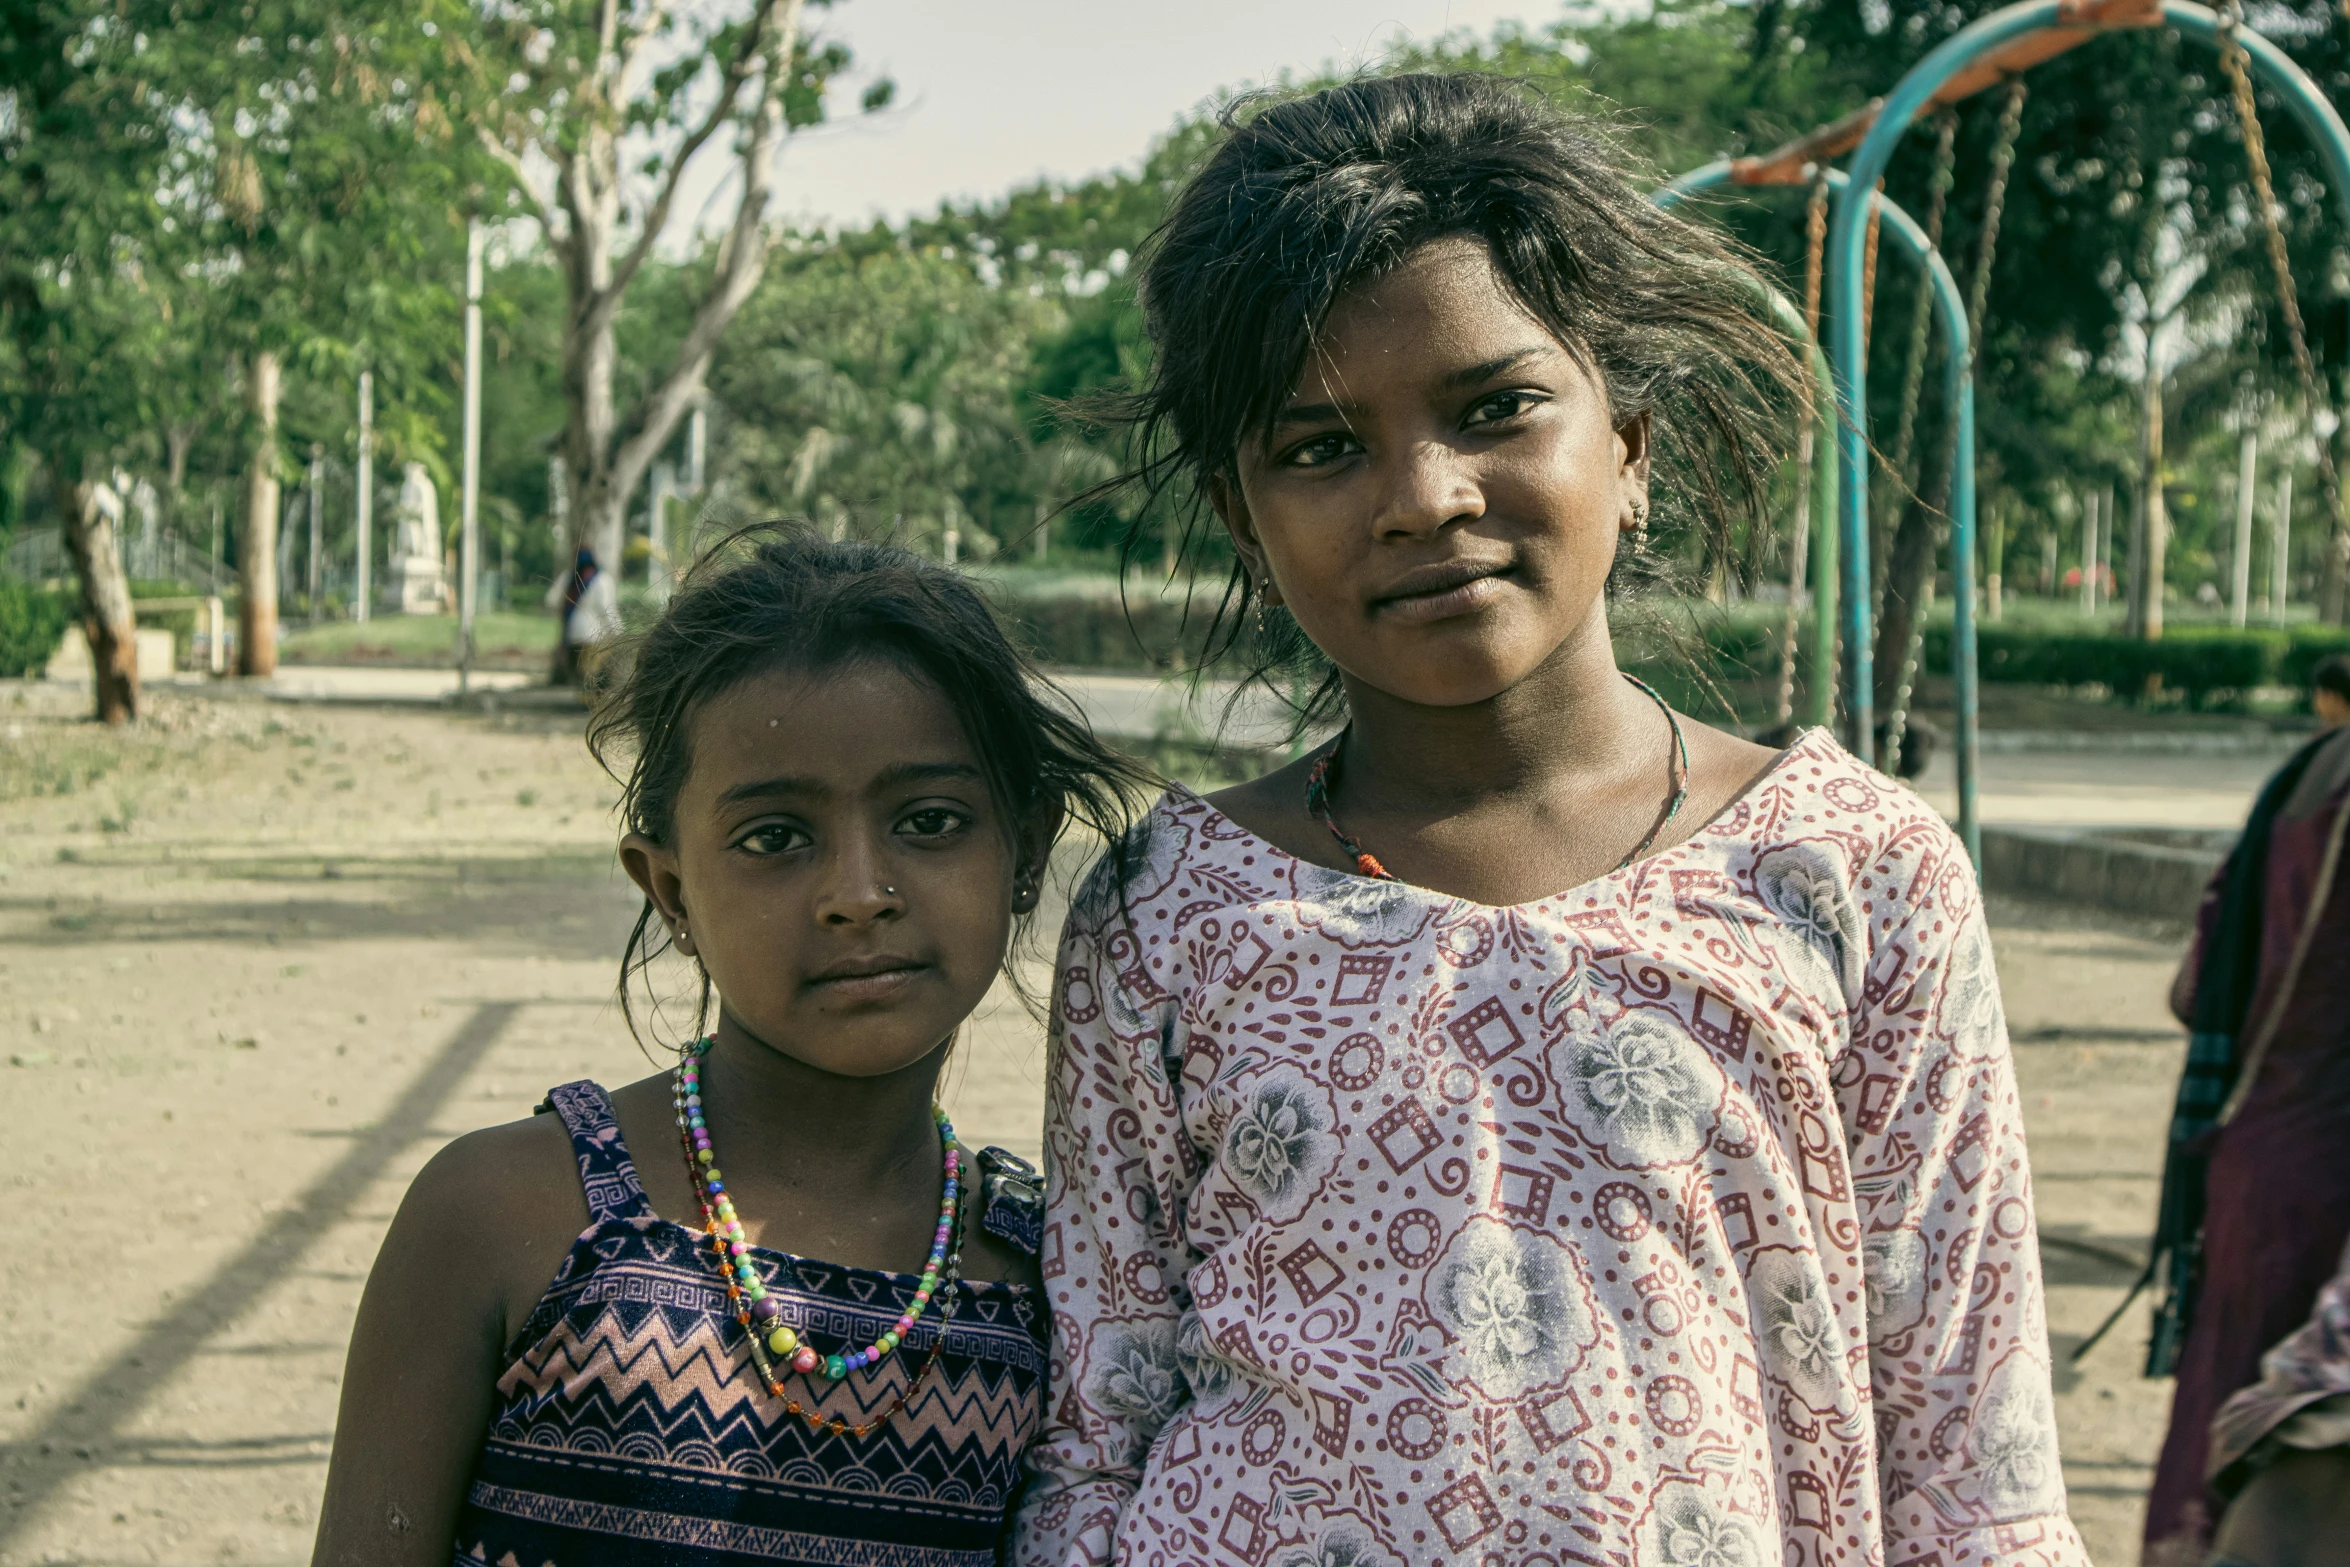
{"type": "Point", "coordinates": [364, 480]}
{"type": "Point", "coordinates": [469, 515]}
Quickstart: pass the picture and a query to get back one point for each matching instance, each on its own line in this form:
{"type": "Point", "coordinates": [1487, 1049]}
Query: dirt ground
{"type": "Point", "coordinates": [257, 962]}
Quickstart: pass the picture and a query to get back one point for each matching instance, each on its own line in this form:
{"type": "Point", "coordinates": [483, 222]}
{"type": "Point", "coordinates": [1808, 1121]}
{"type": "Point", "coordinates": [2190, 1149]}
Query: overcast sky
{"type": "Point", "coordinates": [993, 94]}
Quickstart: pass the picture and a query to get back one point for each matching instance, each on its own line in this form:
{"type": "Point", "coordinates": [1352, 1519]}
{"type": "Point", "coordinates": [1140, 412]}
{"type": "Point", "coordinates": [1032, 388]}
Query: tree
{"type": "Point", "coordinates": [556, 89]}
{"type": "Point", "coordinates": [78, 299]}
{"type": "Point", "coordinates": [880, 390]}
{"type": "Point", "coordinates": [321, 174]}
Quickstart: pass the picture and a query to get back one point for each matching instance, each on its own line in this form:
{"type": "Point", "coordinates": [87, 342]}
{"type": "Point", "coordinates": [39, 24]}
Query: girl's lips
{"type": "Point", "coordinates": [1444, 603]}
{"type": "Point", "coordinates": [876, 985]}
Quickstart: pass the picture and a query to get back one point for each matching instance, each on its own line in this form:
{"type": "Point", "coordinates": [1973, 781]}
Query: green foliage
{"type": "Point", "coordinates": [882, 392]}
{"type": "Point", "coordinates": [2201, 666]}
{"type": "Point", "coordinates": [32, 623]}
{"type": "Point", "coordinates": [1089, 623]}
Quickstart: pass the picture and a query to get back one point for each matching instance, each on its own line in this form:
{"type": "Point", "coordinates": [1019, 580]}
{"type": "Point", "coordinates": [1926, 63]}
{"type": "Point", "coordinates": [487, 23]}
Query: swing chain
{"type": "Point", "coordinates": [1815, 239]}
{"type": "Point", "coordinates": [2233, 61]}
{"type": "Point", "coordinates": [1815, 226]}
{"type": "Point", "coordinates": [1902, 487]}
{"type": "Point", "coordinates": [1868, 267]}
{"type": "Point", "coordinates": [1921, 317]}
{"type": "Point", "coordinates": [2011, 122]}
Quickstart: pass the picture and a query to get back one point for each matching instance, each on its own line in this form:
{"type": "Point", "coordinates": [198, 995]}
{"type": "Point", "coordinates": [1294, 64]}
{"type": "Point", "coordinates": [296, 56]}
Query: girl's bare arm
{"type": "Point", "coordinates": [474, 1243]}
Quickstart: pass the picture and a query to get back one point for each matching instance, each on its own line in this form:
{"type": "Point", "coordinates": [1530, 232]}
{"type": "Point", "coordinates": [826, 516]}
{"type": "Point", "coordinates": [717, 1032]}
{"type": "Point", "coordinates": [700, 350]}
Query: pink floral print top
{"type": "Point", "coordinates": [1680, 1220]}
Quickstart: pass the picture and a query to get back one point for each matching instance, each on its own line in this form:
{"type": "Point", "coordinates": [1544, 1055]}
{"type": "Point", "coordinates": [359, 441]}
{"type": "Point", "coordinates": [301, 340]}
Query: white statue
{"type": "Point", "coordinates": [415, 584]}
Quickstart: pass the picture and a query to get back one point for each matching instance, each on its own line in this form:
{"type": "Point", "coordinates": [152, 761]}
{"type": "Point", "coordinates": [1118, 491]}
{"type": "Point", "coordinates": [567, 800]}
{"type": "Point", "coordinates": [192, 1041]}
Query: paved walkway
{"type": "Point", "coordinates": [2100, 787]}
{"type": "Point", "coordinates": [2107, 788]}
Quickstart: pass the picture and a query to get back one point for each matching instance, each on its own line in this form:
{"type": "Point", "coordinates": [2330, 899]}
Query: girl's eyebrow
{"type": "Point", "coordinates": [788, 786]}
{"type": "Point", "coordinates": [1471, 375]}
{"type": "Point", "coordinates": [1454, 380]}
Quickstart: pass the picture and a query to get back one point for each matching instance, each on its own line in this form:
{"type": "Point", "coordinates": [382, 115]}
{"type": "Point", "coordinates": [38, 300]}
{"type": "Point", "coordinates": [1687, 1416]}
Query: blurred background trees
{"type": "Point", "coordinates": [215, 198]}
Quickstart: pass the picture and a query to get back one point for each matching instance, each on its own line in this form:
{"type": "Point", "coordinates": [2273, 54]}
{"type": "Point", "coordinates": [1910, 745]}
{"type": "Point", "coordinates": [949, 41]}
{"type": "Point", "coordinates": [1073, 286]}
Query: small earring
{"type": "Point", "coordinates": [1640, 519]}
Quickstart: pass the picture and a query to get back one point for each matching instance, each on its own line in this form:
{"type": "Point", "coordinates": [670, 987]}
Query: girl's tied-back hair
{"type": "Point", "coordinates": [1313, 196]}
{"type": "Point", "coordinates": [780, 596]}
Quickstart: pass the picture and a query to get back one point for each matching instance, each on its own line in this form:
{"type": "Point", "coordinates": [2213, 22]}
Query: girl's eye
{"type": "Point", "coordinates": [770, 838]}
{"type": "Point", "coordinates": [933, 821]}
{"type": "Point", "coordinates": [1503, 406]}
{"type": "Point", "coordinates": [1321, 449]}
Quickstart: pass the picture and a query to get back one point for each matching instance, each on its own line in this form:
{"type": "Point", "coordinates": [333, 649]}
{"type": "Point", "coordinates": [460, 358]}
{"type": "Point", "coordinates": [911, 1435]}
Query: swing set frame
{"type": "Point", "coordinates": [1988, 52]}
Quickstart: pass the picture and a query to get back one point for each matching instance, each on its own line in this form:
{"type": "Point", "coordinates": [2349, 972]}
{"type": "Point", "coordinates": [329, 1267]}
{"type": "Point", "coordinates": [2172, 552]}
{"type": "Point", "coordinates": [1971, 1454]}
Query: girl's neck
{"type": "Point", "coordinates": [816, 1132]}
{"type": "Point", "coordinates": [1565, 726]}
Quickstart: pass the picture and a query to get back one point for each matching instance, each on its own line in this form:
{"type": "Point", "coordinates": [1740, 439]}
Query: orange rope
{"type": "Point", "coordinates": [1868, 268]}
{"type": "Point", "coordinates": [2231, 60]}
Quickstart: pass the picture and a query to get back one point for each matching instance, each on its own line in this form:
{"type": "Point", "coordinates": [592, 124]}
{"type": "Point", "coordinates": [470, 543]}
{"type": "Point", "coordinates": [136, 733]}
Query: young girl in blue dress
{"type": "Point", "coordinates": [602, 1335]}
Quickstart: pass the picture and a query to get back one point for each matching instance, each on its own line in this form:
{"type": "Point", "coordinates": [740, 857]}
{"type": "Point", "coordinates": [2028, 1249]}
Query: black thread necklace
{"type": "Point", "coordinates": [1367, 864]}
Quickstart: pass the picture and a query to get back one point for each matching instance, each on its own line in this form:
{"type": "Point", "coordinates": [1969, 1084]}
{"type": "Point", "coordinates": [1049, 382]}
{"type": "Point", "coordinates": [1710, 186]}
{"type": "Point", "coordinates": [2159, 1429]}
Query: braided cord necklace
{"type": "Point", "coordinates": [775, 1346]}
{"type": "Point", "coordinates": [1367, 864]}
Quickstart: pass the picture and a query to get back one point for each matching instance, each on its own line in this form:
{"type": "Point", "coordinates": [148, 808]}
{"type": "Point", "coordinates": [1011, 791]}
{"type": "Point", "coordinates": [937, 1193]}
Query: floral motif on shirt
{"type": "Point", "coordinates": [1894, 1264]}
{"type": "Point", "coordinates": [1204, 1371]}
{"type": "Point", "coordinates": [1802, 1340]}
{"type": "Point", "coordinates": [1692, 1530]}
{"type": "Point", "coordinates": [1279, 1146]}
{"type": "Point", "coordinates": [1339, 1545]}
{"type": "Point", "coordinates": [1803, 888]}
{"type": "Point", "coordinates": [1640, 1086]}
{"type": "Point", "coordinates": [2014, 1439]}
{"type": "Point", "coordinates": [1136, 1377]}
{"type": "Point", "coordinates": [1514, 1305]}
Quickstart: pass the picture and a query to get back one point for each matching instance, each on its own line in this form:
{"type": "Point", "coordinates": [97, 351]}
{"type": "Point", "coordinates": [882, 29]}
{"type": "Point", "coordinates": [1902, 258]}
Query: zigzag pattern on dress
{"type": "Point", "coordinates": [632, 1426]}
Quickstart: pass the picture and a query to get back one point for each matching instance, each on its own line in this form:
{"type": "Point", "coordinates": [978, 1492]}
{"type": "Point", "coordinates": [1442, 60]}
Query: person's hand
{"type": "Point", "coordinates": [2295, 1513]}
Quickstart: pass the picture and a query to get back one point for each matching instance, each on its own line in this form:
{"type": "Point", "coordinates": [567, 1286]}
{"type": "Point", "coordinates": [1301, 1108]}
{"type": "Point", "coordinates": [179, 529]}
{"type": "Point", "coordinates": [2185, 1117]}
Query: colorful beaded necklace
{"type": "Point", "coordinates": [1367, 863]}
{"type": "Point", "coordinates": [756, 1310]}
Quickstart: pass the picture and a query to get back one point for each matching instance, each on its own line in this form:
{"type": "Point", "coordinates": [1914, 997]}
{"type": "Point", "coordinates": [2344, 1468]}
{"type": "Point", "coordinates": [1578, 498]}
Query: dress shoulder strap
{"type": "Point", "coordinates": [606, 1172]}
{"type": "Point", "coordinates": [1012, 1199]}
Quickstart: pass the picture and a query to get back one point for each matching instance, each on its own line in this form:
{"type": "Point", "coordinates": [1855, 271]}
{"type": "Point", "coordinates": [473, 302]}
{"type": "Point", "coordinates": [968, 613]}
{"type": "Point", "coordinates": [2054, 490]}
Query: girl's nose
{"type": "Point", "coordinates": [1428, 489]}
{"type": "Point", "coordinates": [859, 890]}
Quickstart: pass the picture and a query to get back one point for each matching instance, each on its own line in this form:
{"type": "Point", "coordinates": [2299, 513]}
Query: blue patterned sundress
{"type": "Point", "coordinates": [632, 1427]}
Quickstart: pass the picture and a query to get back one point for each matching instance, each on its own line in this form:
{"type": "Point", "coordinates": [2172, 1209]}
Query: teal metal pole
{"type": "Point", "coordinates": [1958, 396]}
{"type": "Point", "coordinates": [1950, 313]}
{"type": "Point", "coordinates": [1909, 97]}
{"type": "Point", "coordinates": [1824, 528]}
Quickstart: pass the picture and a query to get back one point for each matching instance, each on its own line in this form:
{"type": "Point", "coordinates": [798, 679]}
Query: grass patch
{"type": "Point", "coordinates": [499, 637]}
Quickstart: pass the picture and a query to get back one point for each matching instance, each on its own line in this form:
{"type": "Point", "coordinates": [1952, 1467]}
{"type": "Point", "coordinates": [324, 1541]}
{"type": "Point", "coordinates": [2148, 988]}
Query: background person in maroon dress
{"type": "Point", "coordinates": [2261, 1143]}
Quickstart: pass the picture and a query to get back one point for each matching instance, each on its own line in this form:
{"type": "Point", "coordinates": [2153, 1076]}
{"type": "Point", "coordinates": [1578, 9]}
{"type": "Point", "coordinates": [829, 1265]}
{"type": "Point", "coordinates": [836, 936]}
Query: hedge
{"type": "Point", "coordinates": [2204, 666]}
{"type": "Point", "coordinates": [1092, 628]}
{"type": "Point", "coordinates": [32, 623]}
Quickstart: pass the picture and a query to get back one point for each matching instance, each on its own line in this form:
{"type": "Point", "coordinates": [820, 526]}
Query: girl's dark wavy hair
{"type": "Point", "coordinates": [1313, 196]}
{"type": "Point", "coordinates": [780, 596]}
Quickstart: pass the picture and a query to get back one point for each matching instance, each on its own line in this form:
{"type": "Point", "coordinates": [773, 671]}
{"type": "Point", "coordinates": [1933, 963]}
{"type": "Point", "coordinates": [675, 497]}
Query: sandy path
{"type": "Point", "coordinates": [315, 944]}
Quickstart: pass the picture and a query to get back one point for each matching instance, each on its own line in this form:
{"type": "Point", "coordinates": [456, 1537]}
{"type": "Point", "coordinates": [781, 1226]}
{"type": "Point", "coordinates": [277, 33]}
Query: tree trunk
{"type": "Point", "coordinates": [257, 531]}
{"type": "Point", "coordinates": [1909, 567]}
{"type": "Point", "coordinates": [107, 623]}
{"type": "Point", "coordinates": [2150, 527]}
{"type": "Point", "coordinates": [2334, 572]}
{"type": "Point", "coordinates": [606, 455]}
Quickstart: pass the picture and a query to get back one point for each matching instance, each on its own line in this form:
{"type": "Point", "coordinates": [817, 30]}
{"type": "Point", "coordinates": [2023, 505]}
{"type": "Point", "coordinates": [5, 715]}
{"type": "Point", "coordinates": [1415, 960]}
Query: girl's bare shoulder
{"type": "Point", "coordinates": [495, 1202]}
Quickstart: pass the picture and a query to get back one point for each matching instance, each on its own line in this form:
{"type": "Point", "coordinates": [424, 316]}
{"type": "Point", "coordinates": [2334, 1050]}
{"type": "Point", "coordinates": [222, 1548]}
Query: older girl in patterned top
{"type": "Point", "coordinates": [1532, 1127]}
{"type": "Point", "coordinates": [842, 788]}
